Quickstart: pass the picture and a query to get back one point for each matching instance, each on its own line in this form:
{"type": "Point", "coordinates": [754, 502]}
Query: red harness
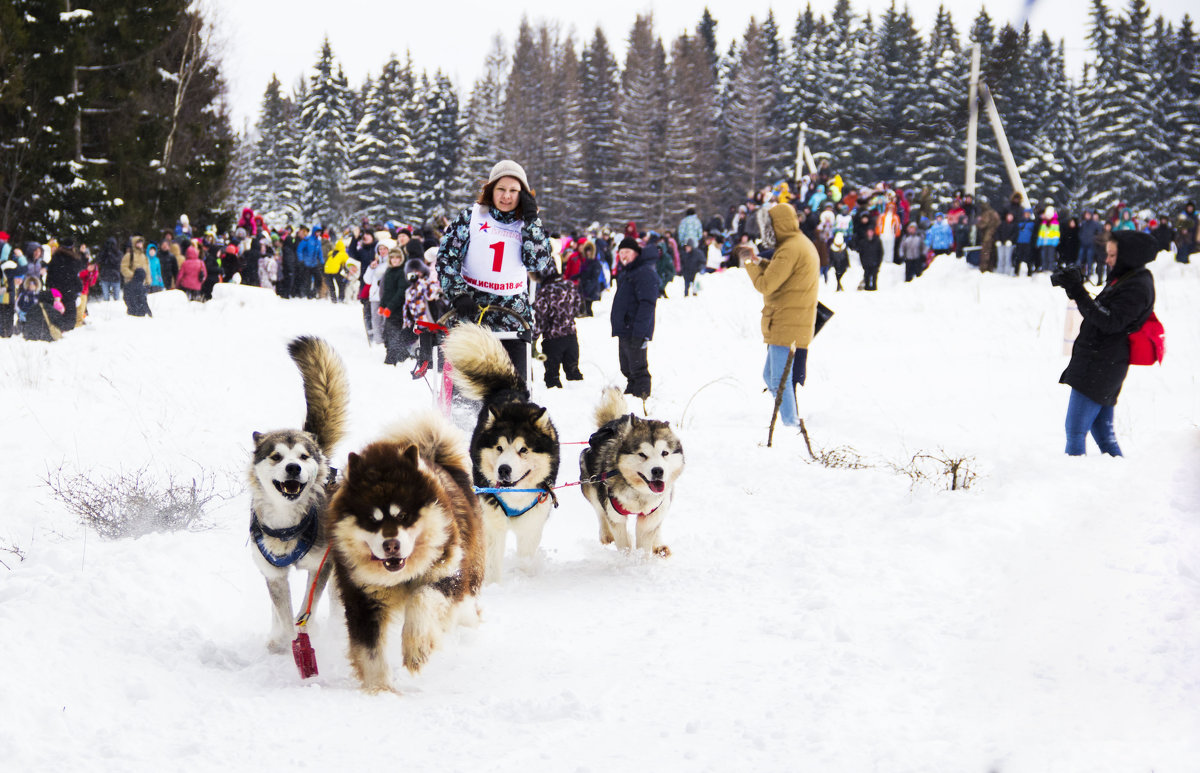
{"type": "Point", "coordinates": [617, 506]}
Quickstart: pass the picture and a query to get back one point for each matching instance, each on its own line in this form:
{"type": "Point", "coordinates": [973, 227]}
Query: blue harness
{"type": "Point", "coordinates": [494, 493]}
{"type": "Point", "coordinates": [305, 532]}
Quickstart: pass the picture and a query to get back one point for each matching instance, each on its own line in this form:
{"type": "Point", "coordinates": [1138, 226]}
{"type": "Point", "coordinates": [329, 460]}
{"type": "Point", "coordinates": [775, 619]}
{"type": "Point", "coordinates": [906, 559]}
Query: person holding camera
{"type": "Point", "coordinates": [485, 257]}
{"type": "Point", "coordinates": [789, 281]}
{"type": "Point", "coordinates": [1100, 356]}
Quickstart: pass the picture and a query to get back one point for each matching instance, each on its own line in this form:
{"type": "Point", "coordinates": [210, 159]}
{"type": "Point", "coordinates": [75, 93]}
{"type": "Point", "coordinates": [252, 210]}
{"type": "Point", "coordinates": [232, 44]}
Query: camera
{"type": "Point", "coordinates": [1065, 276]}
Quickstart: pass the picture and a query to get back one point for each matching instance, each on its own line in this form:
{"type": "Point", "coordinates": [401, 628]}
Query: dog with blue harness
{"type": "Point", "coordinates": [291, 482]}
{"type": "Point", "coordinates": [514, 446]}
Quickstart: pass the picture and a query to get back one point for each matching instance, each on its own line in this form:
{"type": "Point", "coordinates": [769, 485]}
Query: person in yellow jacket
{"type": "Point", "coordinates": [335, 278]}
{"type": "Point", "coordinates": [788, 281]}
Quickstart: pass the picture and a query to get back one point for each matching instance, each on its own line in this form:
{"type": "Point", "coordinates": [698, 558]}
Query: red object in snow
{"type": "Point", "coordinates": [305, 655]}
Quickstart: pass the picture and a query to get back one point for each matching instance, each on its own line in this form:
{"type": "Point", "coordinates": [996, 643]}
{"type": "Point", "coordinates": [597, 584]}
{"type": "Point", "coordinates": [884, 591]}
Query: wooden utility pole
{"type": "Point", "coordinates": [972, 121]}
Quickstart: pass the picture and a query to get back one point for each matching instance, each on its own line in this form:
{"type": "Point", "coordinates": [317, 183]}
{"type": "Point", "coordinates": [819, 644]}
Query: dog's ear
{"type": "Point", "coordinates": [493, 413]}
{"type": "Point", "coordinates": [256, 436]}
{"type": "Point", "coordinates": [541, 419]}
{"type": "Point", "coordinates": [353, 465]}
{"type": "Point", "coordinates": [411, 456]}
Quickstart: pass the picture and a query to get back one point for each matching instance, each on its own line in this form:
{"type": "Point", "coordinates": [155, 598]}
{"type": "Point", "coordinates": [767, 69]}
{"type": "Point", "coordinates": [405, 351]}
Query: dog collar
{"type": "Point", "coordinates": [305, 532]}
{"type": "Point", "coordinates": [617, 506]}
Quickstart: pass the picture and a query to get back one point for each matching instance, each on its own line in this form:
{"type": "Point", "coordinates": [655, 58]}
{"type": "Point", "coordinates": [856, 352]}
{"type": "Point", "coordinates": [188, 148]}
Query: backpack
{"type": "Point", "coordinates": [1148, 344]}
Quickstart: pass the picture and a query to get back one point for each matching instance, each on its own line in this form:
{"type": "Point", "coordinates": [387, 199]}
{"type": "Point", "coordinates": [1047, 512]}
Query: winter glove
{"type": "Point", "coordinates": [465, 307]}
{"type": "Point", "coordinates": [385, 312]}
{"type": "Point", "coordinates": [529, 208]}
{"type": "Point", "coordinates": [645, 343]}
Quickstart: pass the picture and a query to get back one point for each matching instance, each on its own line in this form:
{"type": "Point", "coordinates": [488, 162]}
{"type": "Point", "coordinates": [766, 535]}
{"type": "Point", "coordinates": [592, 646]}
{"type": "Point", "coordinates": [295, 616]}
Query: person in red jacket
{"type": "Point", "coordinates": [192, 274]}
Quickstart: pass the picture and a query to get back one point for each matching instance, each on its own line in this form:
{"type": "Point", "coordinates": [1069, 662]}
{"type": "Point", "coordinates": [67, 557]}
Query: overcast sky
{"type": "Point", "coordinates": [261, 37]}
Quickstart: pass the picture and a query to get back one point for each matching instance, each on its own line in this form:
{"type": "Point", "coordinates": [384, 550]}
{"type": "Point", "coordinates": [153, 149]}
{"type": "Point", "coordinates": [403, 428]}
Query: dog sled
{"type": "Point", "coordinates": [446, 397]}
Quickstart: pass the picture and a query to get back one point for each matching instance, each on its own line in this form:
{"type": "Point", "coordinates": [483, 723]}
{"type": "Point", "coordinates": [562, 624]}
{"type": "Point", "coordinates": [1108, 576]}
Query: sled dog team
{"type": "Point", "coordinates": [419, 519]}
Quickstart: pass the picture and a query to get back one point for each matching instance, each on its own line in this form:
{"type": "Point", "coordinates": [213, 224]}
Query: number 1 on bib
{"type": "Point", "coordinates": [498, 260]}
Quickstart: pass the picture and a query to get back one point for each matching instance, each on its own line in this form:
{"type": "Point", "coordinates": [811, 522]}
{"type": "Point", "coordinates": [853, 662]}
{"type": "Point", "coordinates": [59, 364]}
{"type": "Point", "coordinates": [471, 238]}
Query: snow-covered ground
{"type": "Point", "coordinates": [811, 617]}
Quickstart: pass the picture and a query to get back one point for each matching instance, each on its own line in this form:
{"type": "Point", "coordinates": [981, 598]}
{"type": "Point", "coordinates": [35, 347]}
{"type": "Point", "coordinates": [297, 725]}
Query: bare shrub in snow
{"type": "Point", "coordinates": [940, 468]}
{"type": "Point", "coordinates": [132, 504]}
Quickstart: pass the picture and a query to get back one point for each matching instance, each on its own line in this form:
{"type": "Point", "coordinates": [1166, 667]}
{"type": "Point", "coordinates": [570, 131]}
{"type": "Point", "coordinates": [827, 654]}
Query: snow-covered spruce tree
{"type": "Point", "coordinates": [274, 167]}
{"type": "Point", "coordinates": [1119, 131]}
{"type": "Point", "coordinates": [483, 124]}
{"type": "Point", "coordinates": [599, 90]}
{"type": "Point", "coordinates": [437, 143]}
{"type": "Point", "coordinates": [525, 105]}
{"type": "Point", "coordinates": [804, 92]}
{"type": "Point", "coordinates": [398, 105]}
{"type": "Point", "coordinates": [833, 93]}
{"type": "Point", "coordinates": [324, 152]}
{"type": "Point", "coordinates": [856, 117]}
{"type": "Point", "coordinates": [1179, 64]}
{"type": "Point", "coordinates": [692, 138]}
{"type": "Point", "coordinates": [898, 58]}
{"type": "Point", "coordinates": [563, 209]}
{"type": "Point", "coordinates": [752, 155]}
{"type": "Point", "coordinates": [370, 179]}
{"type": "Point", "coordinates": [1050, 169]}
{"type": "Point", "coordinates": [943, 101]}
{"type": "Point", "coordinates": [640, 171]}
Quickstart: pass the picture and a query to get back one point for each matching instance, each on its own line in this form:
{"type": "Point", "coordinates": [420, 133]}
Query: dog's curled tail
{"type": "Point", "coordinates": [326, 389]}
{"type": "Point", "coordinates": [611, 406]}
{"type": "Point", "coordinates": [481, 365]}
{"type": "Point", "coordinates": [435, 438]}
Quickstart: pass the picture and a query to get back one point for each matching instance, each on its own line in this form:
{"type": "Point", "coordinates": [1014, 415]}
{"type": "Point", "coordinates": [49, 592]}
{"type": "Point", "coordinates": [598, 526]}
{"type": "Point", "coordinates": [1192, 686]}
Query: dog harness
{"type": "Point", "coordinates": [617, 506]}
{"type": "Point", "coordinates": [494, 493]}
{"type": "Point", "coordinates": [305, 532]}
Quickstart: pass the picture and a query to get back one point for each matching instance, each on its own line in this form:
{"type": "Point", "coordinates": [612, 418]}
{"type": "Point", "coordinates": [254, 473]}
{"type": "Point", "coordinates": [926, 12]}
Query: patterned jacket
{"type": "Point", "coordinates": [535, 255]}
{"type": "Point", "coordinates": [554, 309]}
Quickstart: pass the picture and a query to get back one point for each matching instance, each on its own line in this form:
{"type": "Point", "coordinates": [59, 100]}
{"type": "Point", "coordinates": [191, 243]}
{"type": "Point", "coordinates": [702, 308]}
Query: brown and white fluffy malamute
{"type": "Point", "coordinates": [290, 486]}
{"type": "Point", "coordinates": [407, 543]}
{"type": "Point", "coordinates": [629, 471]}
{"type": "Point", "coordinates": [514, 445]}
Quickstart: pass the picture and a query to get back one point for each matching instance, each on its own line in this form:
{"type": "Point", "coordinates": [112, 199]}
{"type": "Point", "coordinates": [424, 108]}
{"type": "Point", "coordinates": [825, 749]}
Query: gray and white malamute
{"type": "Point", "coordinates": [514, 445]}
{"type": "Point", "coordinates": [290, 484]}
{"type": "Point", "coordinates": [628, 473]}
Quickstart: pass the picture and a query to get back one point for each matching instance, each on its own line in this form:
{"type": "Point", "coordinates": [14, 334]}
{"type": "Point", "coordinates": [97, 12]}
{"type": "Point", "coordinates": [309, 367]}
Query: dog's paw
{"type": "Point", "coordinates": [417, 649]}
{"type": "Point", "coordinates": [662, 551]}
{"type": "Point", "coordinates": [278, 646]}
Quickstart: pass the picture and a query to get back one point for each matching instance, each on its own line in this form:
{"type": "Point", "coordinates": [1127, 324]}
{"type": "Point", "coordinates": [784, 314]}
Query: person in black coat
{"type": "Point", "coordinates": [212, 268]}
{"type": "Point", "coordinates": [632, 315]}
{"type": "Point", "coordinates": [110, 270]}
{"type": "Point", "coordinates": [248, 263]}
{"type": "Point", "coordinates": [691, 260]}
{"type": "Point", "coordinates": [1068, 243]}
{"type": "Point", "coordinates": [62, 274]}
{"type": "Point", "coordinates": [870, 253]}
{"type": "Point", "coordinates": [286, 286]}
{"type": "Point", "coordinates": [1100, 356]}
{"type": "Point", "coordinates": [391, 306]}
{"type": "Point", "coordinates": [136, 304]}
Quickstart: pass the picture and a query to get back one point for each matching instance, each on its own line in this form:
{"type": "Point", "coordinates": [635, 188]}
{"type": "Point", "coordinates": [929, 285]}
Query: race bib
{"type": "Point", "coordinates": [493, 263]}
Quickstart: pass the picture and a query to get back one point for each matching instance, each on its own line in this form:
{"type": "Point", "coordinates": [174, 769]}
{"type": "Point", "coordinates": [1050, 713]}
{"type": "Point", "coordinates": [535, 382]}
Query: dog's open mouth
{"type": "Point", "coordinates": [657, 486]}
{"type": "Point", "coordinates": [510, 483]}
{"type": "Point", "coordinates": [393, 564]}
{"type": "Point", "coordinates": [290, 489]}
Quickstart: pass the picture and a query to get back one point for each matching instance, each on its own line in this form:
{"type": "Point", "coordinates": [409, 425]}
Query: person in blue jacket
{"type": "Point", "coordinates": [632, 314]}
{"type": "Point", "coordinates": [312, 263]}
{"type": "Point", "coordinates": [1026, 236]}
{"type": "Point", "coordinates": [940, 236]}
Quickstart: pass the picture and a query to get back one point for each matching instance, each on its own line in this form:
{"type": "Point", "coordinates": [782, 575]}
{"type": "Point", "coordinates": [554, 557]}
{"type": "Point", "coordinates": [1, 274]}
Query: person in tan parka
{"type": "Point", "coordinates": [788, 281]}
{"type": "Point", "coordinates": [135, 258]}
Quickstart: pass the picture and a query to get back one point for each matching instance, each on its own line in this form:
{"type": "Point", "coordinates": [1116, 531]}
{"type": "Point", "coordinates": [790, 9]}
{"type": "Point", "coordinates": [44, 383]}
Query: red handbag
{"type": "Point", "coordinates": [1148, 344]}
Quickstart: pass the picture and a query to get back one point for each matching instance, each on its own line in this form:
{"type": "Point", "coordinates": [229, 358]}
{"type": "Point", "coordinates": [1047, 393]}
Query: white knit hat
{"type": "Point", "coordinates": [508, 168]}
